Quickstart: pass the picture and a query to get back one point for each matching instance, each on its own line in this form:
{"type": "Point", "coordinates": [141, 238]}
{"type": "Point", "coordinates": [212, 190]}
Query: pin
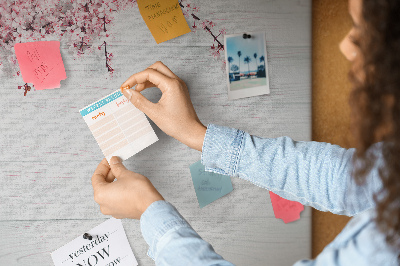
{"type": "Point", "coordinates": [87, 236]}
{"type": "Point", "coordinates": [246, 36]}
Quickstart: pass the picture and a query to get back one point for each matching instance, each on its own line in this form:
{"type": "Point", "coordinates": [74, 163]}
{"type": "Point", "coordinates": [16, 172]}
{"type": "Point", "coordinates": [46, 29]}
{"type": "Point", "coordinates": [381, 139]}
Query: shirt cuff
{"type": "Point", "coordinates": [222, 148]}
{"type": "Point", "coordinates": [158, 219]}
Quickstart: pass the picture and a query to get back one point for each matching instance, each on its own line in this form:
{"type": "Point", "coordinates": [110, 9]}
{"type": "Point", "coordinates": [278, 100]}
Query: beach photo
{"type": "Point", "coordinates": [246, 65]}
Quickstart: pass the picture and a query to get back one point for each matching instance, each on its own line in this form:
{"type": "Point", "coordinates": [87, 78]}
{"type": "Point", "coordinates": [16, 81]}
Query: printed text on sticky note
{"type": "Point", "coordinates": [287, 210]}
{"type": "Point", "coordinates": [108, 246]}
{"type": "Point", "coordinates": [164, 18]}
{"type": "Point", "coordinates": [118, 126]}
{"type": "Point", "coordinates": [209, 186]}
{"type": "Point", "coordinates": [41, 63]}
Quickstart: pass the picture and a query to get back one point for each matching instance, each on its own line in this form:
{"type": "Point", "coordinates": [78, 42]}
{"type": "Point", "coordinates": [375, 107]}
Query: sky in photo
{"type": "Point", "coordinates": [256, 44]}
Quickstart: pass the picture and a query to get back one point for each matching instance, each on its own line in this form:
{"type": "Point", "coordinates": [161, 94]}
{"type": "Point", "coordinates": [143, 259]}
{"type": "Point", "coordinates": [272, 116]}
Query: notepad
{"type": "Point", "coordinates": [119, 128]}
{"type": "Point", "coordinates": [209, 186]}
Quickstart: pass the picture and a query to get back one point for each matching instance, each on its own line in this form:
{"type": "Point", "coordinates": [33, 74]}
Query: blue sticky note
{"type": "Point", "coordinates": [209, 186]}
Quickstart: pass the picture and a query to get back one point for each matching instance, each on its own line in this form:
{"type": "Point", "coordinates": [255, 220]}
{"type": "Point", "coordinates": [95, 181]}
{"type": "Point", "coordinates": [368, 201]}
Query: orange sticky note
{"type": "Point", "coordinates": [287, 210]}
{"type": "Point", "coordinates": [41, 63]}
{"type": "Point", "coordinates": [164, 18]}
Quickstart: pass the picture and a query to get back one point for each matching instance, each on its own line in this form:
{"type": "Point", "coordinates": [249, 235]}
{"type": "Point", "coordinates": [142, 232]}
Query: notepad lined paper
{"type": "Point", "coordinates": [118, 126]}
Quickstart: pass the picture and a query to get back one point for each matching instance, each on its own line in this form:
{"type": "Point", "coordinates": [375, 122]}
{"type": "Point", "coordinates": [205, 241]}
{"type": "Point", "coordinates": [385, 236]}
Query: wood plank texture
{"type": "Point", "coordinates": [48, 155]}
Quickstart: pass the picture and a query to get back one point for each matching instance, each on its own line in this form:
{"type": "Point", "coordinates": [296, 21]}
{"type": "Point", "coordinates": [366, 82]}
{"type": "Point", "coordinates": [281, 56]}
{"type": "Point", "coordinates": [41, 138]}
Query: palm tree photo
{"type": "Point", "coordinates": [239, 54]}
{"type": "Point", "coordinates": [230, 60]}
{"type": "Point", "coordinates": [262, 59]}
{"type": "Point", "coordinates": [255, 60]}
{"type": "Point", "coordinates": [239, 51]}
{"type": "Point", "coordinates": [247, 60]}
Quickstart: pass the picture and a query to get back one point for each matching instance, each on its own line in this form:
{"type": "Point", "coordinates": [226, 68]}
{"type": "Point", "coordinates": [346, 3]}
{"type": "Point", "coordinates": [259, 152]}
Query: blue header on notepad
{"type": "Point", "coordinates": [100, 103]}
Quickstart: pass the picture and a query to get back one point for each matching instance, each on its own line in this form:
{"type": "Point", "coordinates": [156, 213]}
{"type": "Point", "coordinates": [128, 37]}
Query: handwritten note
{"type": "Point", "coordinates": [41, 63]}
{"type": "Point", "coordinates": [118, 126]}
{"type": "Point", "coordinates": [164, 18]}
{"type": "Point", "coordinates": [288, 211]}
{"type": "Point", "coordinates": [109, 246]}
{"type": "Point", "coordinates": [209, 186]}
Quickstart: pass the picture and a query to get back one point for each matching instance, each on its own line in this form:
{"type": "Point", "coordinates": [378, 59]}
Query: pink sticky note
{"type": "Point", "coordinates": [41, 63]}
{"type": "Point", "coordinates": [288, 211]}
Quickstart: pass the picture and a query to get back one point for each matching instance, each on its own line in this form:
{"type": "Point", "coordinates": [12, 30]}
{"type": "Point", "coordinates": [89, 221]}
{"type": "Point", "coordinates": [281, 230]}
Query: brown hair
{"type": "Point", "coordinates": [375, 101]}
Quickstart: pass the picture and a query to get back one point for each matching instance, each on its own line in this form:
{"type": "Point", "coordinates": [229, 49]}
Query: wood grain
{"type": "Point", "coordinates": [48, 154]}
{"type": "Point", "coordinates": [330, 110]}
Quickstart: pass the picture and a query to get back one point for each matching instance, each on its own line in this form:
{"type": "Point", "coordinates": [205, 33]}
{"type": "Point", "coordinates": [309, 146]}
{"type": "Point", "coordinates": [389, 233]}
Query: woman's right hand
{"type": "Point", "coordinates": [173, 113]}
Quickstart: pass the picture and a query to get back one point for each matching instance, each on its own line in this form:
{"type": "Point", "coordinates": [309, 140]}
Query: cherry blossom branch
{"type": "Point", "coordinates": [80, 22]}
{"type": "Point", "coordinates": [220, 45]}
{"type": "Point", "coordinates": [189, 10]}
{"type": "Point", "coordinates": [26, 88]}
{"type": "Point", "coordinates": [108, 57]}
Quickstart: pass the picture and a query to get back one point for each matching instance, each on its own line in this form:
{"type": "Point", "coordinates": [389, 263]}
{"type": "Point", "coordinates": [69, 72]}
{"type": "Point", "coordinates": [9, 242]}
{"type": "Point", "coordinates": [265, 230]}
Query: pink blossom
{"type": "Point", "coordinates": [80, 22]}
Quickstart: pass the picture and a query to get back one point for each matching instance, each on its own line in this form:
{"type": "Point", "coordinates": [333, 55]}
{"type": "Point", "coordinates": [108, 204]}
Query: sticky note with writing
{"type": "Point", "coordinates": [164, 18]}
{"type": "Point", "coordinates": [209, 186]}
{"type": "Point", "coordinates": [287, 210]}
{"type": "Point", "coordinates": [118, 126]}
{"type": "Point", "coordinates": [41, 63]}
{"type": "Point", "coordinates": [108, 246]}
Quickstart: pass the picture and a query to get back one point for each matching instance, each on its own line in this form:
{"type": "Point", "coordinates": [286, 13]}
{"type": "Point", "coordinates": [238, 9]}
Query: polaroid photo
{"type": "Point", "coordinates": [246, 65]}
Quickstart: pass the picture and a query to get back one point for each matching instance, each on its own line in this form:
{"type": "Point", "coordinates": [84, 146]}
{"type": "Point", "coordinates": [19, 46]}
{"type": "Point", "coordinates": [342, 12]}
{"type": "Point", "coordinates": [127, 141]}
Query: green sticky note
{"type": "Point", "coordinates": [209, 186]}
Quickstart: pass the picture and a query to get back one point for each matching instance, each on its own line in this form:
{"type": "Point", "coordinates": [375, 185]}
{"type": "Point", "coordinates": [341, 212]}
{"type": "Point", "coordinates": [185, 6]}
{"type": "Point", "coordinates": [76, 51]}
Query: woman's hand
{"type": "Point", "coordinates": [127, 197]}
{"type": "Point", "coordinates": [174, 113]}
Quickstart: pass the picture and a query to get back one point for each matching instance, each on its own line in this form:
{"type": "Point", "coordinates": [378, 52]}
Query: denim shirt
{"type": "Point", "coordinates": [312, 173]}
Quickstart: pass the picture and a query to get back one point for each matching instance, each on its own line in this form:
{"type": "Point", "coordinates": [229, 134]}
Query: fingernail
{"type": "Point", "coordinates": [129, 92]}
{"type": "Point", "coordinates": [115, 160]}
{"type": "Point", "coordinates": [124, 88]}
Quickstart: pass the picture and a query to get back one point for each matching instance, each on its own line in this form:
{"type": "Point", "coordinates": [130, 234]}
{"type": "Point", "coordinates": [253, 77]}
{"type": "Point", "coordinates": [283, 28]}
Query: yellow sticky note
{"type": "Point", "coordinates": [164, 18]}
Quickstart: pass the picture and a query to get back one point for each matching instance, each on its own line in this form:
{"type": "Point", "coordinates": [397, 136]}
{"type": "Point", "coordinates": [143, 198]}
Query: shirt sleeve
{"type": "Point", "coordinates": [172, 241]}
{"type": "Point", "coordinates": [313, 173]}
{"type": "Point", "coordinates": [359, 243]}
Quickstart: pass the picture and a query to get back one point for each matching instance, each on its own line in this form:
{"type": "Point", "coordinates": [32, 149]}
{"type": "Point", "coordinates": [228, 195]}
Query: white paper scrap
{"type": "Point", "coordinates": [108, 247]}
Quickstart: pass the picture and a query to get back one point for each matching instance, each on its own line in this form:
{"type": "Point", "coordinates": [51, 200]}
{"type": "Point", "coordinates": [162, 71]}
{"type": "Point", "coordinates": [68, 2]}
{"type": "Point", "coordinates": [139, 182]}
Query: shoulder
{"type": "Point", "coordinates": [362, 242]}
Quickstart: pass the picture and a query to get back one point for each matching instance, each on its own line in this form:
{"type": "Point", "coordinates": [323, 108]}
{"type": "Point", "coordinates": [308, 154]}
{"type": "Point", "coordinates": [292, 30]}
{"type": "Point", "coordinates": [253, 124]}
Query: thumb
{"type": "Point", "coordinates": [117, 167]}
{"type": "Point", "coordinates": [139, 101]}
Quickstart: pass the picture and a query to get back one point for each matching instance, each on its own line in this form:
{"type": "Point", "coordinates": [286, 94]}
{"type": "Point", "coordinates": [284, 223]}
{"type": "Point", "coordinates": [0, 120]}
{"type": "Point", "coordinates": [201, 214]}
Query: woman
{"type": "Point", "coordinates": [362, 182]}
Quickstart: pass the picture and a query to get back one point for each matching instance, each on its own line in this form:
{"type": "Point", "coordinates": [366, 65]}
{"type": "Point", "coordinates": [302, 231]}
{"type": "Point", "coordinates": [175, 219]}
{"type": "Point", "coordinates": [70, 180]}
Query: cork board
{"type": "Point", "coordinates": [330, 108]}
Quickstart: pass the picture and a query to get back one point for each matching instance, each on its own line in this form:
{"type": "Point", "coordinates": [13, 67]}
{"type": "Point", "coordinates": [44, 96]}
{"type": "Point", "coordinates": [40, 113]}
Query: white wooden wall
{"type": "Point", "coordinates": [48, 155]}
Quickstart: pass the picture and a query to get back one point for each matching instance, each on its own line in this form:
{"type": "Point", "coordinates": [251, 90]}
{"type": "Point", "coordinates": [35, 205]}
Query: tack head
{"type": "Point", "coordinates": [87, 236]}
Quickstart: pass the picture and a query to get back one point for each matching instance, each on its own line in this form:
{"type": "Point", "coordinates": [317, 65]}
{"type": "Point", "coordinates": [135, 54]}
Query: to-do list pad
{"type": "Point", "coordinates": [118, 126]}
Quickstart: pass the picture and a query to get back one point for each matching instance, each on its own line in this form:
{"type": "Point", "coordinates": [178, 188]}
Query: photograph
{"type": "Point", "coordinates": [246, 65]}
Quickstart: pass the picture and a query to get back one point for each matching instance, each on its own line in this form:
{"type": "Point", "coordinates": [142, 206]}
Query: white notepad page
{"type": "Point", "coordinates": [118, 126]}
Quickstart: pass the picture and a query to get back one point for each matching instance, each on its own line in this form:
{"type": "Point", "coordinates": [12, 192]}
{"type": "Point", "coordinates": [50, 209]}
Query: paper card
{"type": "Point", "coordinates": [109, 246]}
{"type": "Point", "coordinates": [288, 211]}
{"type": "Point", "coordinates": [118, 126]}
{"type": "Point", "coordinates": [209, 186]}
{"type": "Point", "coordinates": [41, 63]}
{"type": "Point", "coordinates": [164, 18]}
{"type": "Point", "coordinates": [246, 65]}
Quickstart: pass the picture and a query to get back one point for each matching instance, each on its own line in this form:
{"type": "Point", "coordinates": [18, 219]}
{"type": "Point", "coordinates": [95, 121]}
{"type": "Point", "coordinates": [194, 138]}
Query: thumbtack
{"type": "Point", "coordinates": [246, 36]}
{"type": "Point", "coordinates": [87, 236]}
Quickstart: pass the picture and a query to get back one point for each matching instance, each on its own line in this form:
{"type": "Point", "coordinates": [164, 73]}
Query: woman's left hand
{"type": "Point", "coordinates": [127, 197]}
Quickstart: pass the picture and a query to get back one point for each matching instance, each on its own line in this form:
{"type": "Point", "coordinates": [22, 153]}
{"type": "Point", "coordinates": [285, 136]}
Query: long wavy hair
{"type": "Point", "coordinates": [375, 103]}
